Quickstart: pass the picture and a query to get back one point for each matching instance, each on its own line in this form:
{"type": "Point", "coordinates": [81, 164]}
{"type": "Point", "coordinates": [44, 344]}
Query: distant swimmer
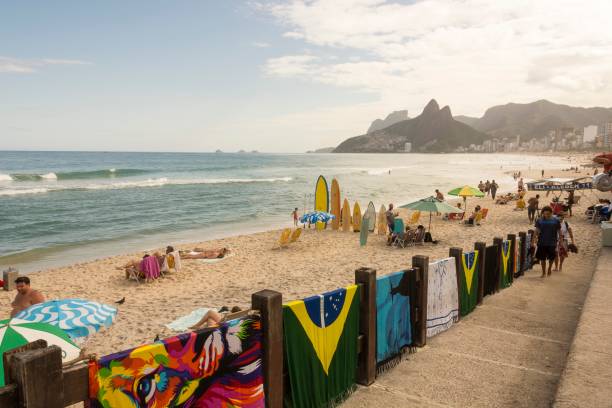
{"type": "Point", "coordinates": [389, 171]}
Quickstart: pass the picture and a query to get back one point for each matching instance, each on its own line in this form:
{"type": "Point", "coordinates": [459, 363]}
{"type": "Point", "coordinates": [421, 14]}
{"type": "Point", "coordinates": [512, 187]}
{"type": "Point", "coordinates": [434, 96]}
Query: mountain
{"type": "Point", "coordinates": [534, 120]}
{"type": "Point", "coordinates": [434, 130]}
{"type": "Point", "coordinates": [391, 119]}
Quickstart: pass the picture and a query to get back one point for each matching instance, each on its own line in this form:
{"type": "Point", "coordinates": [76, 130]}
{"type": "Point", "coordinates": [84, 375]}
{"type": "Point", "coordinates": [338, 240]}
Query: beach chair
{"type": "Point", "coordinates": [283, 240]}
{"type": "Point", "coordinates": [398, 231]}
{"type": "Point", "coordinates": [133, 274]}
{"type": "Point", "coordinates": [418, 238]}
{"type": "Point", "coordinates": [484, 213]}
{"type": "Point", "coordinates": [415, 217]}
{"type": "Point", "coordinates": [295, 235]}
{"type": "Point", "coordinates": [455, 216]}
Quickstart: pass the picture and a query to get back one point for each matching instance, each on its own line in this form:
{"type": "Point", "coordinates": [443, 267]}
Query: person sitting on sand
{"type": "Point", "coordinates": [199, 253]}
{"type": "Point", "coordinates": [520, 204]}
{"type": "Point", "coordinates": [26, 296]}
{"type": "Point", "coordinates": [470, 220]}
{"type": "Point", "coordinates": [213, 318]}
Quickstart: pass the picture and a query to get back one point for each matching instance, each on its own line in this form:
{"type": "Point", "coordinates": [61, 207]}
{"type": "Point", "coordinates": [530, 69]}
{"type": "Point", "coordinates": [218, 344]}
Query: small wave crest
{"type": "Point", "coordinates": [73, 175]}
{"type": "Point", "coordinates": [157, 182]}
{"type": "Point", "coordinates": [10, 192]}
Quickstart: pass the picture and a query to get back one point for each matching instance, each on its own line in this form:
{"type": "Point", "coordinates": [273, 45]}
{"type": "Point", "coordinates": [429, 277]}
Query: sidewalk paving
{"type": "Point", "coordinates": [586, 381]}
{"type": "Point", "coordinates": [511, 351]}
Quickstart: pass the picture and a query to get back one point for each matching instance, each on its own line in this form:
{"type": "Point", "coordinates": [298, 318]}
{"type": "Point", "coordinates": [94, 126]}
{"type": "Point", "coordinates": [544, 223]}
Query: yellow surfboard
{"type": "Point", "coordinates": [321, 195]}
{"type": "Point", "coordinates": [356, 217]}
{"type": "Point", "coordinates": [335, 204]}
{"type": "Point", "coordinates": [321, 199]}
{"type": "Point", "coordinates": [346, 216]}
{"type": "Point", "coordinates": [382, 220]}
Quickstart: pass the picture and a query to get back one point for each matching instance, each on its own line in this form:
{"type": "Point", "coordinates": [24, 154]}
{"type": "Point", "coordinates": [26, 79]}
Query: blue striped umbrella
{"type": "Point", "coordinates": [77, 317]}
{"type": "Point", "coordinates": [316, 216]}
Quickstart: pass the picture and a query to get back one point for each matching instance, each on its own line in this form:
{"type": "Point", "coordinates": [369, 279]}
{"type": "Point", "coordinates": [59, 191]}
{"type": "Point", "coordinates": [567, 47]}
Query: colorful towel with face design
{"type": "Point", "coordinates": [321, 347]}
{"type": "Point", "coordinates": [468, 291]}
{"type": "Point", "coordinates": [442, 296]}
{"type": "Point", "coordinates": [505, 275]}
{"type": "Point", "coordinates": [214, 367]}
{"type": "Point", "coordinates": [393, 329]}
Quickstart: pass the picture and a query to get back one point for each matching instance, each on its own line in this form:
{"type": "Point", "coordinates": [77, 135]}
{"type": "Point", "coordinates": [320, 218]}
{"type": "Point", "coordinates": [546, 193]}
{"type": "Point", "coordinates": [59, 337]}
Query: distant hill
{"type": "Point", "coordinates": [534, 120]}
{"type": "Point", "coordinates": [434, 130]}
{"type": "Point", "coordinates": [391, 119]}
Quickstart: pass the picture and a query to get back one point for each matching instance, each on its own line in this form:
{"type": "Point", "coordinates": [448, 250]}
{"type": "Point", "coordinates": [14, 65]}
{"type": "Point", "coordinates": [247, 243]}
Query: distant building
{"type": "Point", "coordinates": [590, 133]}
{"type": "Point", "coordinates": [407, 147]}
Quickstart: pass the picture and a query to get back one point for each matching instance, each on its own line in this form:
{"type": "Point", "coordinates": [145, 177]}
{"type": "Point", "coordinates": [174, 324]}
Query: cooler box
{"type": "Point", "coordinates": [606, 234]}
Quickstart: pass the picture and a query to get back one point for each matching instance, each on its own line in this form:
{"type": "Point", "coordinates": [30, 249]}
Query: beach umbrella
{"type": "Point", "coordinates": [432, 205]}
{"type": "Point", "coordinates": [316, 216]}
{"type": "Point", "coordinates": [77, 317]}
{"type": "Point", "coordinates": [465, 192]}
{"type": "Point", "coordinates": [17, 332]}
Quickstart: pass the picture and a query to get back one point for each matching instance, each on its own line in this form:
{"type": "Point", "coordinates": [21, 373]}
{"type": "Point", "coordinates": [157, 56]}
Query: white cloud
{"type": "Point", "coordinates": [259, 44]}
{"type": "Point", "coordinates": [28, 66]}
{"type": "Point", "coordinates": [470, 54]}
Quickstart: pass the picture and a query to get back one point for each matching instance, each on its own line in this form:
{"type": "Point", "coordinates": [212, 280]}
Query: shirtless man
{"type": "Point", "coordinates": [26, 296]}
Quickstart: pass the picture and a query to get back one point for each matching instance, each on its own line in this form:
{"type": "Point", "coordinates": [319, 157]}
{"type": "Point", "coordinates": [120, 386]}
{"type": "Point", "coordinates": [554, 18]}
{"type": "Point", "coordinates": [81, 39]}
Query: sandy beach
{"type": "Point", "coordinates": [320, 261]}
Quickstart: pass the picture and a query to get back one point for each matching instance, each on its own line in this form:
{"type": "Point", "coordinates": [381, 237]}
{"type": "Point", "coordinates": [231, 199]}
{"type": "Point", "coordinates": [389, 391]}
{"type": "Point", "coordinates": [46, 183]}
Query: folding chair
{"type": "Point", "coordinates": [398, 231]}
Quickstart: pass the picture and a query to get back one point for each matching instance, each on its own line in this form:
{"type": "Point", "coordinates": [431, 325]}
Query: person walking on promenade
{"type": "Point", "coordinates": [547, 234]}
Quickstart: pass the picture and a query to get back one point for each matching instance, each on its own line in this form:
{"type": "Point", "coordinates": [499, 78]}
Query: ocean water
{"type": "Point", "coordinates": [57, 208]}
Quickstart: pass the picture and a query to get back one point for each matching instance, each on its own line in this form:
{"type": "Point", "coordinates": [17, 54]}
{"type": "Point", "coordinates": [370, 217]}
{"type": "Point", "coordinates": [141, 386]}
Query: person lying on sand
{"type": "Point", "coordinates": [199, 253]}
{"type": "Point", "coordinates": [213, 318]}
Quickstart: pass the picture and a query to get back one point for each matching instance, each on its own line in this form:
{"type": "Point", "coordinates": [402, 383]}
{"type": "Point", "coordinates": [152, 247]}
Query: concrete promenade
{"type": "Point", "coordinates": [512, 350]}
{"type": "Point", "coordinates": [587, 379]}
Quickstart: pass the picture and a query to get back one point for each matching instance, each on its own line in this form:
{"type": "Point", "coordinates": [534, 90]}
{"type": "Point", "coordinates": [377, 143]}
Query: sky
{"type": "Point", "coordinates": [281, 76]}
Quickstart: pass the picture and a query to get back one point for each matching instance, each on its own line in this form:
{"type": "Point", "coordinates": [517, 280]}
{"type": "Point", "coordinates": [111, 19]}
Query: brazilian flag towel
{"type": "Point", "coordinates": [504, 276]}
{"type": "Point", "coordinates": [321, 347]}
{"type": "Point", "coordinates": [468, 295]}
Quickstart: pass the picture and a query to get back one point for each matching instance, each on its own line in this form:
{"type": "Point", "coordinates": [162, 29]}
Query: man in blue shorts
{"type": "Point", "coordinates": [547, 234]}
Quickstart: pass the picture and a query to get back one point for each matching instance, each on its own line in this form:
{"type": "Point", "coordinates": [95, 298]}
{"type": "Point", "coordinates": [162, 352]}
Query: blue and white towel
{"type": "Point", "coordinates": [185, 322]}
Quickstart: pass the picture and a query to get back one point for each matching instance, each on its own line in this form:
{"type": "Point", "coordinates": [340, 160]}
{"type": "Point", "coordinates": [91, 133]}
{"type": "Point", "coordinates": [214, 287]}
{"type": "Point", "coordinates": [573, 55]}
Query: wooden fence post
{"type": "Point", "coordinates": [457, 253]}
{"type": "Point", "coordinates": [524, 249]}
{"type": "Point", "coordinates": [270, 305]}
{"type": "Point", "coordinates": [39, 378]}
{"type": "Point", "coordinates": [418, 298]}
{"type": "Point", "coordinates": [512, 259]}
{"type": "Point", "coordinates": [366, 364]}
{"type": "Point", "coordinates": [481, 247]}
{"type": "Point", "coordinates": [499, 242]}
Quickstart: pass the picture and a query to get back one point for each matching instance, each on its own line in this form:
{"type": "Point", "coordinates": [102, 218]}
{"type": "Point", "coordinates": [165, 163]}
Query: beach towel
{"type": "Point", "coordinates": [320, 336]}
{"type": "Point", "coordinates": [172, 261]}
{"type": "Point", "coordinates": [185, 322]}
{"type": "Point", "coordinates": [517, 257]}
{"type": "Point", "coordinates": [491, 277]}
{"type": "Point", "coordinates": [393, 329]}
{"type": "Point", "coordinates": [213, 367]}
{"type": "Point", "coordinates": [527, 248]}
{"type": "Point", "coordinates": [149, 267]}
{"type": "Point", "coordinates": [442, 296]}
{"type": "Point", "coordinates": [468, 293]}
{"type": "Point", "coordinates": [505, 280]}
